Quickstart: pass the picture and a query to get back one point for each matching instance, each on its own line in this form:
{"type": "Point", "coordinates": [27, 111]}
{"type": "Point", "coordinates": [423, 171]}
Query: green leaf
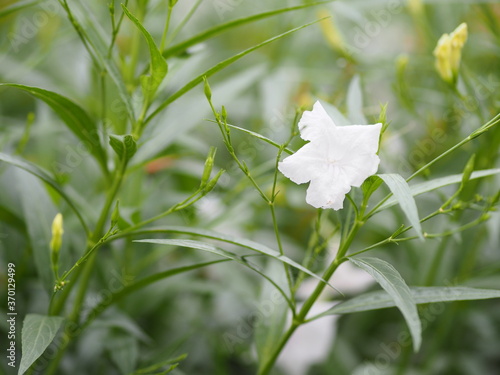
{"type": "Point", "coordinates": [392, 282]}
{"type": "Point", "coordinates": [228, 239]}
{"type": "Point", "coordinates": [39, 211]}
{"type": "Point", "coordinates": [271, 322]}
{"type": "Point", "coordinates": [77, 120]}
{"type": "Point", "coordinates": [381, 299]}
{"type": "Point", "coordinates": [438, 183]}
{"type": "Point", "coordinates": [37, 334]}
{"type": "Point", "coordinates": [218, 251]}
{"type": "Point", "coordinates": [45, 177]}
{"type": "Point", "coordinates": [399, 187]}
{"type": "Point", "coordinates": [355, 102]}
{"type": "Point", "coordinates": [193, 83]}
{"type": "Point", "coordinates": [20, 5]}
{"type": "Point", "coordinates": [207, 34]}
{"type": "Point", "coordinates": [159, 67]}
{"type": "Point", "coordinates": [124, 146]}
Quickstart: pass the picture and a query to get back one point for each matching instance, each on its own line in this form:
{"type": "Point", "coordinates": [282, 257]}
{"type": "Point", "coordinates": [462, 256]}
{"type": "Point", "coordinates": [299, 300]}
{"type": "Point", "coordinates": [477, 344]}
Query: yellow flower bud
{"type": "Point", "coordinates": [459, 35]}
{"type": "Point", "coordinates": [57, 233]}
{"type": "Point", "coordinates": [458, 39]}
{"type": "Point", "coordinates": [56, 242]}
{"type": "Point", "coordinates": [443, 61]}
{"type": "Point", "coordinates": [448, 53]}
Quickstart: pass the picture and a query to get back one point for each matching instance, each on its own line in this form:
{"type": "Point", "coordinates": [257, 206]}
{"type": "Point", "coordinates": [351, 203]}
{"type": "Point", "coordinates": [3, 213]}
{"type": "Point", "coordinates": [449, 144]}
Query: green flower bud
{"type": "Point", "coordinates": [208, 90]}
{"type": "Point", "coordinates": [211, 184]}
{"type": "Point", "coordinates": [209, 163]}
{"type": "Point", "coordinates": [224, 114]}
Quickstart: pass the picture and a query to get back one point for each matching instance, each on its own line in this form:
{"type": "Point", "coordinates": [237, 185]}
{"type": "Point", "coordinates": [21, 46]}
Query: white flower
{"type": "Point", "coordinates": [336, 158]}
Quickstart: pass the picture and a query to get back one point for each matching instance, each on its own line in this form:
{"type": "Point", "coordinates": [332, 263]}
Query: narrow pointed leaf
{"type": "Point", "coordinates": [37, 334]}
{"type": "Point", "coordinates": [158, 65]}
{"type": "Point", "coordinates": [77, 120]}
{"type": "Point", "coordinates": [399, 187]}
{"type": "Point", "coordinates": [228, 239]}
{"type": "Point", "coordinates": [380, 299]}
{"type": "Point", "coordinates": [392, 282]}
{"type": "Point", "coordinates": [207, 34]}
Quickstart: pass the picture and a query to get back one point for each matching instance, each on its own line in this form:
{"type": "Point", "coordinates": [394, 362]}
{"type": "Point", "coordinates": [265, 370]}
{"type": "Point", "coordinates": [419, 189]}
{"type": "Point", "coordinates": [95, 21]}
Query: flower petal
{"type": "Point", "coordinates": [359, 138]}
{"type": "Point", "coordinates": [315, 124]}
{"type": "Point", "coordinates": [307, 163]}
{"type": "Point", "coordinates": [328, 191]}
{"type": "Point", "coordinates": [359, 167]}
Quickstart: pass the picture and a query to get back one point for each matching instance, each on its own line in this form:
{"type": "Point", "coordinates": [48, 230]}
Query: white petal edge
{"type": "Point", "coordinates": [313, 124]}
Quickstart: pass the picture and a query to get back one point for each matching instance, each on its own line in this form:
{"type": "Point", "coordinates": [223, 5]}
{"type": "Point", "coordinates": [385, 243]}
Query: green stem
{"type": "Point", "coordinates": [393, 238]}
{"type": "Point", "coordinates": [272, 201]}
{"type": "Point", "coordinates": [103, 96]}
{"type": "Point", "coordinates": [116, 30]}
{"type": "Point", "coordinates": [313, 249]}
{"type": "Point", "coordinates": [184, 21]}
{"type": "Point", "coordinates": [165, 29]}
{"type": "Point", "coordinates": [79, 30]}
{"type": "Point", "coordinates": [308, 304]}
{"type": "Point", "coordinates": [280, 246]}
{"type": "Point", "coordinates": [270, 363]}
